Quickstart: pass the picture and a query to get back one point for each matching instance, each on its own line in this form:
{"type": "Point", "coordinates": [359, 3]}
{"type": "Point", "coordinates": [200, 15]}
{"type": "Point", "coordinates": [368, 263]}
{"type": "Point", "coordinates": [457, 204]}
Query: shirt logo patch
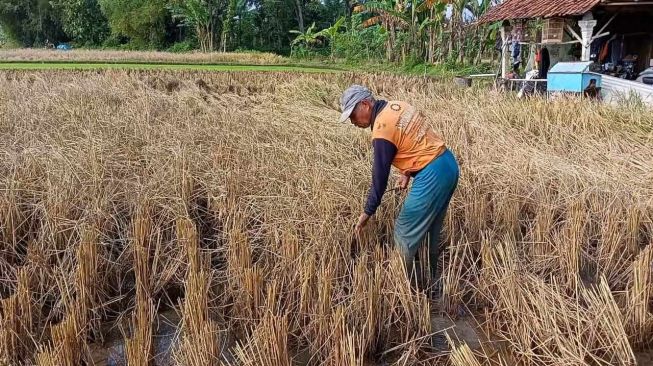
{"type": "Point", "coordinates": [395, 107]}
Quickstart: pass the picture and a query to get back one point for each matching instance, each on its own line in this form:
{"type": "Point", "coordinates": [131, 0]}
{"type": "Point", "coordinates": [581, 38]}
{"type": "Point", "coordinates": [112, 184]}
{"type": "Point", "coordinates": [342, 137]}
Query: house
{"type": "Point", "coordinates": [617, 35]}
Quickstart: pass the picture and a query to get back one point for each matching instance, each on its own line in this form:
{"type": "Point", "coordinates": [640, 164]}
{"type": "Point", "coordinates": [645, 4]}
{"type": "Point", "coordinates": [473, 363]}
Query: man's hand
{"type": "Point", "coordinates": [402, 182]}
{"type": "Point", "coordinates": [362, 221]}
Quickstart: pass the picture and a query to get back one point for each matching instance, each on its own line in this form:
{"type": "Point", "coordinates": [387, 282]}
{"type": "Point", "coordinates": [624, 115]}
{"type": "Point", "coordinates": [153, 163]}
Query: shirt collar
{"type": "Point", "coordinates": [378, 107]}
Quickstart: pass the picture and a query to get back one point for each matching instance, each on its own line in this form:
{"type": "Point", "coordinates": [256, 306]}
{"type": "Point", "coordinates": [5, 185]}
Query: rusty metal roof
{"type": "Point", "coordinates": [525, 9]}
{"type": "Point", "coordinates": [625, 2]}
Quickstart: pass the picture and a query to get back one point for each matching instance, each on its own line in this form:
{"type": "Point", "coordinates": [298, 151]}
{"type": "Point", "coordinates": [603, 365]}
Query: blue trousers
{"type": "Point", "coordinates": [424, 209]}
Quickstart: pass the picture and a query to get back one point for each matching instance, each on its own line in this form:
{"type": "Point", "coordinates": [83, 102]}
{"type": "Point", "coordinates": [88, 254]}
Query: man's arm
{"type": "Point", "coordinates": [384, 154]}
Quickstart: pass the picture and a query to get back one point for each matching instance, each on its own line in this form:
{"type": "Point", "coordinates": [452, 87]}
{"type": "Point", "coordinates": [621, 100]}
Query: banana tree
{"type": "Point", "coordinates": [458, 8]}
{"type": "Point", "coordinates": [390, 14]}
{"type": "Point", "coordinates": [198, 15]}
{"type": "Point", "coordinates": [477, 8]}
{"type": "Point", "coordinates": [464, 31]}
{"type": "Point", "coordinates": [433, 23]}
{"type": "Point", "coordinates": [309, 37]}
{"type": "Point", "coordinates": [331, 33]}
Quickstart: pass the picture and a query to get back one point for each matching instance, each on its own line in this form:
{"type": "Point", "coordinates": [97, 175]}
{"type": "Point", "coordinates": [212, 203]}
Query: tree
{"type": "Point", "coordinates": [244, 29]}
{"type": "Point", "coordinates": [428, 30]}
{"type": "Point", "coordinates": [227, 27]}
{"type": "Point", "coordinates": [390, 14]}
{"type": "Point", "coordinates": [299, 10]}
{"type": "Point", "coordinates": [432, 24]}
{"type": "Point", "coordinates": [197, 15]}
{"type": "Point", "coordinates": [477, 9]}
{"type": "Point", "coordinates": [142, 21]}
{"type": "Point", "coordinates": [274, 21]}
{"type": "Point", "coordinates": [308, 37]}
{"type": "Point", "coordinates": [30, 22]}
{"type": "Point", "coordinates": [334, 9]}
{"type": "Point", "coordinates": [331, 33]}
{"type": "Point", "coordinates": [82, 20]}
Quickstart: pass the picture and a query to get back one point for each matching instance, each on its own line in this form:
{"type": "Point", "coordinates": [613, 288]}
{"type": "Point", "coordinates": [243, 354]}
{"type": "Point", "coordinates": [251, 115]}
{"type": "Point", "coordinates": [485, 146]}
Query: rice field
{"type": "Point", "coordinates": [77, 66]}
{"type": "Point", "coordinates": [221, 204]}
{"type": "Point", "coordinates": [115, 56]}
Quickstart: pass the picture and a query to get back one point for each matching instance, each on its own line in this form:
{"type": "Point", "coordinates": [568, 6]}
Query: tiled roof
{"type": "Point", "coordinates": [525, 9]}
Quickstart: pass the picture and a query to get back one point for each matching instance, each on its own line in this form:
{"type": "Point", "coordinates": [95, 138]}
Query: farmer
{"type": "Point", "coordinates": [402, 138]}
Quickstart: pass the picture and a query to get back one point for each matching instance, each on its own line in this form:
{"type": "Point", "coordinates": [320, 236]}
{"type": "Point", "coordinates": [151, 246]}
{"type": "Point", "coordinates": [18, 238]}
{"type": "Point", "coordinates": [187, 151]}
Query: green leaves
{"type": "Point", "coordinates": [310, 37]}
{"type": "Point", "coordinates": [190, 12]}
{"type": "Point", "coordinates": [203, 17]}
{"type": "Point", "coordinates": [387, 10]}
{"type": "Point", "coordinates": [396, 29]}
{"type": "Point", "coordinates": [30, 22]}
{"type": "Point", "coordinates": [82, 20]}
{"type": "Point", "coordinates": [439, 6]}
{"type": "Point", "coordinates": [142, 21]}
{"type": "Point", "coordinates": [331, 32]}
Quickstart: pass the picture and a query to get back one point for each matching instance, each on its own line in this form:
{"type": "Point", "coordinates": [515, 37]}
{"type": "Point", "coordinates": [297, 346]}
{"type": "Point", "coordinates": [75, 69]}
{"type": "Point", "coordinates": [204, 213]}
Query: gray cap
{"type": "Point", "coordinates": [350, 98]}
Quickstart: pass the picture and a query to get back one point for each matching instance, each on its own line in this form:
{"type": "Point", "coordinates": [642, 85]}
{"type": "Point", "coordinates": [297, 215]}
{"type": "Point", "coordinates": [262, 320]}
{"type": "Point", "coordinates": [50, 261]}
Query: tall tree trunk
{"type": "Point", "coordinates": [391, 40]}
{"type": "Point", "coordinates": [460, 37]}
{"type": "Point", "coordinates": [451, 36]}
{"type": "Point", "coordinates": [461, 46]}
{"type": "Point", "coordinates": [227, 25]}
{"type": "Point", "coordinates": [393, 36]}
{"type": "Point", "coordinates": [462, 55]}
{"type": "Point", "coordinates": [430, 51]}
{"type": "Point", "coordinates": [300, 15]}
{"type": "Point", "coordinates": [210, 36]}
{"type": "Point", "coordinates": [414, 29]}
{"type": "Point", "coordinates": [201, 37]}
{"type": "Point", "coordinates": [431, 37]}
{"type": "Point", "coordinates": [387, 49]}
{"type": "Point", "coordinates": [481, 47]}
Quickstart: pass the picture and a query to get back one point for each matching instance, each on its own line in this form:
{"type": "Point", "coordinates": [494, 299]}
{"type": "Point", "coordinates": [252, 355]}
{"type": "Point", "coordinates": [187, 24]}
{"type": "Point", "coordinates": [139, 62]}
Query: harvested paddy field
{"type": "Point", "coordinates": [114, 56]}
{"type": "Point", "coordinates": [196, 218]}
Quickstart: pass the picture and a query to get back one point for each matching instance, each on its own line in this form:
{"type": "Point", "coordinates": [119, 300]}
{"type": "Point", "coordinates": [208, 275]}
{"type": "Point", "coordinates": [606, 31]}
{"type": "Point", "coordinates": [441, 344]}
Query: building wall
{"type": "Point", "coordinates": [615, 90]}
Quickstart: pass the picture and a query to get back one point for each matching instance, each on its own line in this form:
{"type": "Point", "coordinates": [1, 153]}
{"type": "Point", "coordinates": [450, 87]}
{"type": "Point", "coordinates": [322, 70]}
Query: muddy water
{"type": "Point", "coordinates": [166, 332]}
{"type": "Point", "coordinates": [644, 358]}
{"type": "Point", "coordinates": [460, 330]}
{"type": "Point", "coordinates": [167, 323]}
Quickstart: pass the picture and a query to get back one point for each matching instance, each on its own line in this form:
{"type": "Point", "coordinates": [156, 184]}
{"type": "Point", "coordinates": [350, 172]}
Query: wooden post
{"type": "Point", "coordinates": [504, 50]}
{"type": "Point", "coordinates": [586, 31]}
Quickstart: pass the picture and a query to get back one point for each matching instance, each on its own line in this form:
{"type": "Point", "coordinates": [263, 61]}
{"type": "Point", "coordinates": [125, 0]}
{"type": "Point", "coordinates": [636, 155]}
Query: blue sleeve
{"type": "Point", "coordinates": [384, 154]}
